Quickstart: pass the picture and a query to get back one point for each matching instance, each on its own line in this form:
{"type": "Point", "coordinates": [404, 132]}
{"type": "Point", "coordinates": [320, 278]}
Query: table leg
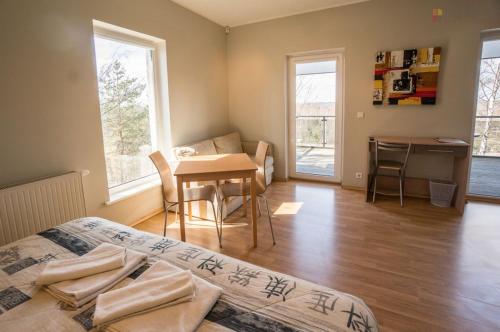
{"type": "Point", "coordinates": [190, 210]}
{"type": "Point", "coordinates": [253, 193]}
{"type": "Point", "coordinates": [180, 198]}
{"type": "Point", "coordinates": [244, 197]}
{"type": "Point", "coordinates": [460, 173]}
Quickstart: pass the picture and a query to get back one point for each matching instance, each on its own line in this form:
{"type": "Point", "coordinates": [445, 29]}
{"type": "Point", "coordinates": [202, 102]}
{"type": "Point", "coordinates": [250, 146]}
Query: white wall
{"type": "Point", "coordinates": [49, 107]}
{"type": "Point", "coordinates": [257, 71]}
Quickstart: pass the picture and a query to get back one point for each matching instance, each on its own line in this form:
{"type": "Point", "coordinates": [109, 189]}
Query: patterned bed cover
{"type": "Point", "coordinates": [254, 298]}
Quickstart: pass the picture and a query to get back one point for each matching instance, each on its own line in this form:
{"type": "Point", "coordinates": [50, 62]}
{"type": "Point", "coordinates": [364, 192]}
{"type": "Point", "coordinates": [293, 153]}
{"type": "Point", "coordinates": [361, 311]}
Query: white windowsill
{"type": "Point", "coordinates": [131, 189]}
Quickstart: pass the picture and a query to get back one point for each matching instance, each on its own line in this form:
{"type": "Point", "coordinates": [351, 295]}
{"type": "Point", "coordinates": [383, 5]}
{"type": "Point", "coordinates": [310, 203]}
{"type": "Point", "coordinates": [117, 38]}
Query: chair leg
{"type": "Point", "coordinates": [165, 223]}
{"type": "Point", "coordinates": [269, 217]}
{"type": "Point", "coordinates": [258, 208]}
{"type": "Point", "coordinates": [221, 221]}
{"type": "Point", "coordinates": [176, 212]}
{"type": "Point", "coordinates": [403, 179]}
{"type": "Point", "coordinates": [374, 180]}
{"type": "Point", "coordinates": [216, 223]}
{"type": "Point", "coordinates": [166, 217]}
{"type": "Point", "coordinates": [244, 206]}
{"type": "Point", "coordinates": [401, 189]}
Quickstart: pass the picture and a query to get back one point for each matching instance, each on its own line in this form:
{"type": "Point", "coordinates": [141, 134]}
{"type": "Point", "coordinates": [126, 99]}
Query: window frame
{"type": "Point", "coordinates": [485, 36]}
{"type": "Point", "coordinates": [338, 55]}
{"type": "Point", "coordinates": [159, 117]}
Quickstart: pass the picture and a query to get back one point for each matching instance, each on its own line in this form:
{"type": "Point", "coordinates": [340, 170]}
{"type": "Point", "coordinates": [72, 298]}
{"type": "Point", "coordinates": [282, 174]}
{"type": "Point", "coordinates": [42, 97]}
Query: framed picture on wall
{"type": "Point", "coordinates": [406, 77]}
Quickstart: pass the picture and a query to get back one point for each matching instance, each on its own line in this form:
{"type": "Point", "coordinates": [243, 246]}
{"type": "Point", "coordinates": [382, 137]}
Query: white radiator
{"type": "Point", "coordinates": [32, 207]}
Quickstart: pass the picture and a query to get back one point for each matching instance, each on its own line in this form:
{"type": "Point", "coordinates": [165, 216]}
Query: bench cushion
{"type": "Point", "coordinates": [202, 148]}
{"type": "Point", "coordinates": [230, 143]}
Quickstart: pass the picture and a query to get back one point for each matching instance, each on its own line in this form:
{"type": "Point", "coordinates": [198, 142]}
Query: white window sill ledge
{"type": "Point", "coordinates": [119, 195]}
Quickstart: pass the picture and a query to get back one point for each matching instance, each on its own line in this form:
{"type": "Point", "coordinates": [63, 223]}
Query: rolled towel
{"type": "Point", "coordinates": [185, 316]}
{"type": "Point", "coordinates": [143, 296]}
{"type": "Point", "coordinates": [78, 292]}
{"type": "Point", "coordinates": [104, 258]}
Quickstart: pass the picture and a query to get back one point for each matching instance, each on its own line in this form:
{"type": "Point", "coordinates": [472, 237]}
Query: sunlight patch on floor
{"type": "Point", "coordinates": [288, 208]}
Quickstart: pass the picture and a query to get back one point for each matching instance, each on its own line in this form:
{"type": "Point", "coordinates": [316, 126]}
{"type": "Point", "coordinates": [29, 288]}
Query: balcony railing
{"type": "Point", "coordinates": [315, 131]}
{"type": "Point", "coordinates": [487, 145]}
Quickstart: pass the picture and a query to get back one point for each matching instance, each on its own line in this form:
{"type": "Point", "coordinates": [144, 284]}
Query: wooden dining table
{"type": "Point", "coordinates": [216, 167]}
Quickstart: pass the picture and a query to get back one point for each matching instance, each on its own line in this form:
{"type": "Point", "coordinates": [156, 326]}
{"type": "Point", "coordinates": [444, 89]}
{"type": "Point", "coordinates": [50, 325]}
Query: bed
{"type": "Point", "coordinates": [253, 298]}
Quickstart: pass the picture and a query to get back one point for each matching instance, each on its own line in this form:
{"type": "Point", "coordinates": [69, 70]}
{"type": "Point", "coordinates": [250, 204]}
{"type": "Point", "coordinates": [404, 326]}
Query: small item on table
{"type": "Point", "coordinates": [448, 140]}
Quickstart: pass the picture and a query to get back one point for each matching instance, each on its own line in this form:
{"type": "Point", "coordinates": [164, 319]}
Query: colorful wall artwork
{"type": "Point", "coordinates": [406, 77]}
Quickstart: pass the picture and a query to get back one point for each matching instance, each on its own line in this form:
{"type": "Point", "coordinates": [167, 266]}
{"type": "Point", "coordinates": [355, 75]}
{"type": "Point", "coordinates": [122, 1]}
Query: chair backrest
{"type": "Point", "coordinates": [400, 148]}
{"type": "Point", "coordinates": [260, 161]}
{"type": "Point", "coordinates": [169, 190]}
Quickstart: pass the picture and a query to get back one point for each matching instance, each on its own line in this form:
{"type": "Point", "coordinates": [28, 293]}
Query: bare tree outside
{"type": "Point", "coordinates": [487, 132]}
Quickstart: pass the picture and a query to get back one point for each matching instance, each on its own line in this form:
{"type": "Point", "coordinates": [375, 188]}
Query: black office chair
{"type": "Point", "coordinates": [399, 166]}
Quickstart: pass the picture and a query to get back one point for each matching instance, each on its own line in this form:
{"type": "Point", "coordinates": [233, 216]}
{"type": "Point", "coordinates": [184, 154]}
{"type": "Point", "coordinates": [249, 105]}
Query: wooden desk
{"type": "Point", "coordinates": [429, 145]}
{"type": "Point", "coordinates": [216, 167]}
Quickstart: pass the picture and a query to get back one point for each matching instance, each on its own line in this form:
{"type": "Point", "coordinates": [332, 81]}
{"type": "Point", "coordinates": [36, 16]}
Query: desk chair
{"type": "Point", "coordinates": [243, 189]}
{"type": "Point", "coordinates": [399, 167]}
{"type": "Point", "coordinates": [203, 193]}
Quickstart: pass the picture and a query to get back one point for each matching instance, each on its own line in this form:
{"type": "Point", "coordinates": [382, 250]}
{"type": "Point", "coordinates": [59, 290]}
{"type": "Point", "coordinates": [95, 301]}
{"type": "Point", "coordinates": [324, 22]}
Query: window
{"type": "Point", "coordinates": [485, 164]}
{"type": "Point", "coordinates": [315, 115]}
{"type": "Point", "coordinates": [487, 131]}
{"type": "Point", "coordinates": [130, 105]}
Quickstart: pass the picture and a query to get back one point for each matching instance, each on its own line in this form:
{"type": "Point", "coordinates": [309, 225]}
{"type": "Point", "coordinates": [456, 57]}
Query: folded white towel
{"type": "Point", "coordinates": [78, 292]}
{"type": "Point", "coordinates": [185, 316]}
{"type": "Point", "coordinates": [105, 257]}
{"type": "Point", "coordinates": [143, 296]}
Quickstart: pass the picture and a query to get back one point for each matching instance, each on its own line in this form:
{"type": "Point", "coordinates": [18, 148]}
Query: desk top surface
{"type": "Point", "coordinates": [218, 163]}
{"type": "Point", "coordinates": [419, 140]}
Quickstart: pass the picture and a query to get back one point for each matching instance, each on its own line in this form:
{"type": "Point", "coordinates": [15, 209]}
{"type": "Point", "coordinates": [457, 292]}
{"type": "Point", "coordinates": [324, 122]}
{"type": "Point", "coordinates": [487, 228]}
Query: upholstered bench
{"type": "Point", "coordinates": [230, 143]}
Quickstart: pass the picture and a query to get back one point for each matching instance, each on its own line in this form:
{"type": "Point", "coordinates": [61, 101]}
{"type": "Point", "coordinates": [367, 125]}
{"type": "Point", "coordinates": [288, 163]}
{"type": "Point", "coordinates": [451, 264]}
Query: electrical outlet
{"type": "Point", "coordinates": [359, 175]}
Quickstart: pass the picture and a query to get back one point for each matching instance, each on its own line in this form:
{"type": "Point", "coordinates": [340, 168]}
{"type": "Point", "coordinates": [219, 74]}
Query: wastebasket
{"type": "Point", "coordinates": [442, 192]}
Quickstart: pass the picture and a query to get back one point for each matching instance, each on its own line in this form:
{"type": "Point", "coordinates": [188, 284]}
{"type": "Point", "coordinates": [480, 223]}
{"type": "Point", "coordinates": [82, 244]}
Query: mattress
{"type": "Point", "coordinates": [253, 299]}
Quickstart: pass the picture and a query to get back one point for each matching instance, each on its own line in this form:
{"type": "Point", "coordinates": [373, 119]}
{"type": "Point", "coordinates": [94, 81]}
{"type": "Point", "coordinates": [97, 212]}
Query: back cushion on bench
{"type": "Point", "coordinates": [230, 143]}
{"type": "Point", "coordinates": [205, 147]}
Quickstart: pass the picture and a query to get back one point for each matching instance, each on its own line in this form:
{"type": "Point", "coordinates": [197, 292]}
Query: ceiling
{"type": "Point", "coordinates": [238, 12]}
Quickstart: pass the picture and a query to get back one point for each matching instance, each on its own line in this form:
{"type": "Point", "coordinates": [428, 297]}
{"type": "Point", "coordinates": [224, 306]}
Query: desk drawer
{"type": "Point", "coordinates": [457, 151]}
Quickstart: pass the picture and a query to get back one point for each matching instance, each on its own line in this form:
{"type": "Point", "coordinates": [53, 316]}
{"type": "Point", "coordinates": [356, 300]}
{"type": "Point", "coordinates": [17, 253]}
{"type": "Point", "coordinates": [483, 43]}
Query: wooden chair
{"type": "Point", "coordinates": [395, 166]}
{"type": "Point", "coordinates": [243, 188]}
{"type": "Point", "coordinates": [204, 193]}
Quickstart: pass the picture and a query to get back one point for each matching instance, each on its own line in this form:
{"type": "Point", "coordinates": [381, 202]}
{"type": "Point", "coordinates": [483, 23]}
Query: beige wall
{"type": "Point", "coordinates": [257, 71]}
{"type": "Point", "coordinates": [49, 109]}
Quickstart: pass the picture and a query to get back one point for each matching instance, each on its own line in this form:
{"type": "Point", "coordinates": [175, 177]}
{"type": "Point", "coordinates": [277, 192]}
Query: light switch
{"type": "Point", "coordinates": [360, 115]}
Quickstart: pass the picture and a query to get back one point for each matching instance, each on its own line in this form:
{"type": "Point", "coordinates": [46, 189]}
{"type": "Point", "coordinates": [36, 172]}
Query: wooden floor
{"type": "Point", "coordinates": [419, 268]}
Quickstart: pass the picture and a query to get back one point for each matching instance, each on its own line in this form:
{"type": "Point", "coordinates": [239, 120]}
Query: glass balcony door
{"type": "Point", "coordinates": [315, 113]}
{"type": "Point", "coordinates": [485, 168]}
